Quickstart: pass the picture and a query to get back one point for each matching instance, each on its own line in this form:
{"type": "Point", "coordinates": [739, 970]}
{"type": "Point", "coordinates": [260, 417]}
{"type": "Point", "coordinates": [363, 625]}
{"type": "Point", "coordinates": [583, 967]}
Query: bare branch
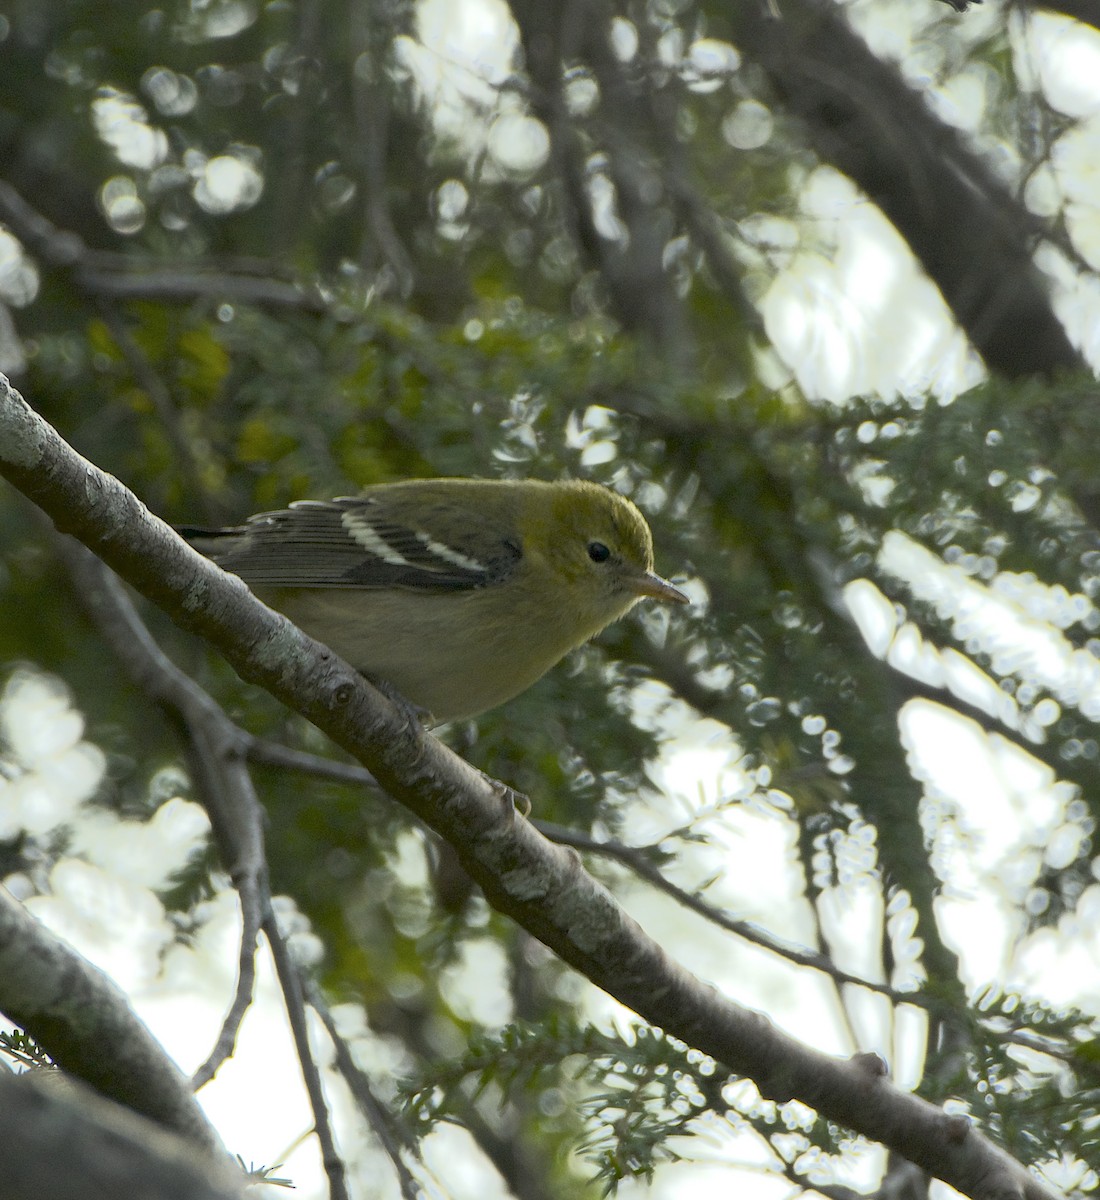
{"type": "Point", "coordinates": [226, 1041]}
{"type": "Point", "coordinates": [214, 748]}
{"type": "Point", "coordinates": [86, 1023]}
{"type": "Point", "coordinates": [636, 860]}
{"type": "Point", "coordinates": [371, 106]}
{"type": "Point", "coordinates": [57, 1131]}
{"type": "Point", "coordinates": [115, 275]}
{"type": "Point", "coordinates": [541, 886]}
{"type": "Point", "coordinates": [161, 397]}
{"type": "Point", "coordinates": [272, 754]}
{"type": "Point", "coordinates": [380, 1121]}
{"type": "Point", "coordinates": [287, 971]}
{"type": "Point", "coordinates": [972, 236]}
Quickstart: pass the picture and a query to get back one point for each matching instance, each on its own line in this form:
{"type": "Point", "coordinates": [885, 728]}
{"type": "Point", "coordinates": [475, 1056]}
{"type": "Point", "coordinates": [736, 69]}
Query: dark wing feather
{"type": "Point", "coordinates": [355, 542]}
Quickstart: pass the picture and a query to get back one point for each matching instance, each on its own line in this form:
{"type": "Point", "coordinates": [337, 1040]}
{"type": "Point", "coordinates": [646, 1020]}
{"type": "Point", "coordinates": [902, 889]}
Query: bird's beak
{"type": "Point", "coordinates": [648, 584]}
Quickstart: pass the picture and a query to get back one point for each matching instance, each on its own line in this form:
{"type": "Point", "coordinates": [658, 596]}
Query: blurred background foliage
{"type": "Point", "coordinates": [254, 252]}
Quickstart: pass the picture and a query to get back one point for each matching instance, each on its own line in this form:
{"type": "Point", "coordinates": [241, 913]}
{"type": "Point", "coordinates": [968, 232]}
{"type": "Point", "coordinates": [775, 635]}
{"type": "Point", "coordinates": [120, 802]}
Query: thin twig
{"type": "Point", "coordinates": [287, 971]}
{"type": "Point", "coordinates": [157, 391]}
{"type": "Point", "coordinates": [371, 108]}
{"type": "Point", "coordinates": [226, 1041]}
{"type": "Point", "coordinates": [217, 760]}
{"type": "Point", "coordinates": [186, 283]}
{"type": "Point", "coordinates": [215, 754]}
{"type": "Point", "coordinates": [635, 858]}
{"type": "Point", "coordinates": [274, 754]}
{"type": "Point", "coordinates": [376, 1116]}
{"type": "Point", "coordinates": [104, 274]}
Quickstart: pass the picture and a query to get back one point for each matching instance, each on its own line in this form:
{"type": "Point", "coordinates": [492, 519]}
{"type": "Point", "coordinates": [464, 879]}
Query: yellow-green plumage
{"type": "Point", "coordinates": [459, 593]}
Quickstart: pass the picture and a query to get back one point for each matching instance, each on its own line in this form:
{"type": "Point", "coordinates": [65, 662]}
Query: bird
{"type": "Point", "coordinates": [457, 594]}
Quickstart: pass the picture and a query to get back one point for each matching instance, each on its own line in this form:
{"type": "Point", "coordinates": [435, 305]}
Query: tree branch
{"type": "Point", "coordinates": [541, 886]}
{"type": "Point", "coordinates": [214, 747]}
{"type": "Point", "coordinates": [216, 752]}
{"type": "Point", "coordinates": [287, 971]}
{"type": "Point", "coordinates": [121, 277]}
{"type": "Point", "coordinates": [86, 1023]}
{"type": "Point", "coordinates": [972, 236]}
{"type": "Point", "coordinates": [56, 1131]}
{"type": "Point", "coordinates": [391, 1138]}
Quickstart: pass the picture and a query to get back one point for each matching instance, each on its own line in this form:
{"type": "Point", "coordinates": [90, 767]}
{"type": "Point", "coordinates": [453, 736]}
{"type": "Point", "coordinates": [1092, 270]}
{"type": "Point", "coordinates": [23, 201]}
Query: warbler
{"type": "Point", "coordinates": [457, 593]}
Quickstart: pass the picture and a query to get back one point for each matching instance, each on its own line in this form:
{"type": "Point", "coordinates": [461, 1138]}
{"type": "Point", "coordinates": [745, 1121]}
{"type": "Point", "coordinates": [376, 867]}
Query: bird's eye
{"type": "Point", "coordinates": [598, 552]}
